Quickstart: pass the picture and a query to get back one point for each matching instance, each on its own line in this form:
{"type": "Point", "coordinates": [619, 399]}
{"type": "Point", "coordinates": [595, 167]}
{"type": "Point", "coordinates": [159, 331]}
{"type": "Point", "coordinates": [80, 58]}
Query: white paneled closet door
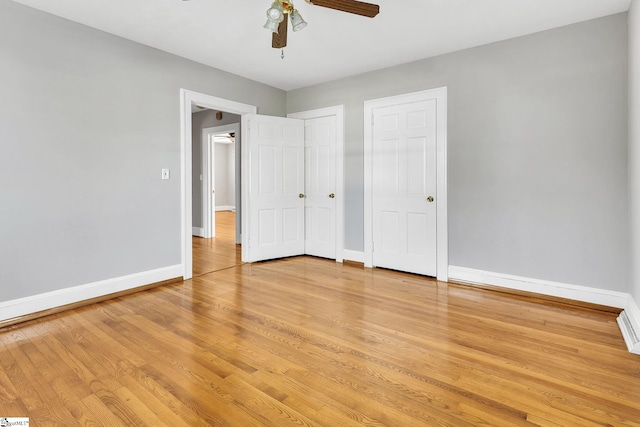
{"type": "Point", "coordinates": [320, 187]}
{"type": "Point", "coordinates": [404, 187]}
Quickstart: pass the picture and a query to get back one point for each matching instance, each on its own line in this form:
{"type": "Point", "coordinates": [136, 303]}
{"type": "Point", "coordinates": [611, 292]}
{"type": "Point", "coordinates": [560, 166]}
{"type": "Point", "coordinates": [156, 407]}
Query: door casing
{"type": "Point", "coordinates": [187, 98]}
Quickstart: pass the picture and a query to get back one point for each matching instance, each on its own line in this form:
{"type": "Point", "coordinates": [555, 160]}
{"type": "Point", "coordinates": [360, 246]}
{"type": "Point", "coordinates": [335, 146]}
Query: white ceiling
{"type": "Point", "coordinates": [228, 34]}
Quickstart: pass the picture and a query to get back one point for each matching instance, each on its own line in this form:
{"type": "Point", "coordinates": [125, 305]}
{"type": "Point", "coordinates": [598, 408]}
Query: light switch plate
{"type": "Point", "coordinates": [165, 173]}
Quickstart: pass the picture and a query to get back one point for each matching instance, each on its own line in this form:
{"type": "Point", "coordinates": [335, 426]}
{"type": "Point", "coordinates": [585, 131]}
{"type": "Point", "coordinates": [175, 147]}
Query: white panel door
{"type": "Point", "coordinates": [404, 187]}
{"type": "Point", "coordinates": [320, 187]}
{"type": "Point", "coordinates": [276, 216]}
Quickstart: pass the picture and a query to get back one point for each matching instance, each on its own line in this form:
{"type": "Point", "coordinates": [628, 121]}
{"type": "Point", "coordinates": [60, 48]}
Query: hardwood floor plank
{"type": "Point", "coordinates": [101, 413]}
{"type": "Point", "coordinates": [96, 333]}
{"type": "Point", "coordinates": [66, 355]}
{"type": "Point", "coordinates": [29, 376]}
{"type": "Point", "coordinates": [209, 401]}
{"type": "Point", "coordinates": [8, 392]}
{"type": "Point", "coordinates": [118, 406]}
{"type": "Point", "coordinates": [144, 410]}
{"type": "Point", "coordinates": [55, 369]}
{"type": "Point", "coordinates": [164, 394]}
{"type": "Point", "coordinates": [58, 415]}
{"type": "Point", "coordinates": [356, 395]}
{"type": "Point", "coordinates": [262, 407]}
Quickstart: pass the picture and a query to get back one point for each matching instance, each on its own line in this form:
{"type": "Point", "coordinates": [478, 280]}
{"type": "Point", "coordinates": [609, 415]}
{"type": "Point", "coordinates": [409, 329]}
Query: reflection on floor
{"type": "Point", "coordinates": [219, 252]}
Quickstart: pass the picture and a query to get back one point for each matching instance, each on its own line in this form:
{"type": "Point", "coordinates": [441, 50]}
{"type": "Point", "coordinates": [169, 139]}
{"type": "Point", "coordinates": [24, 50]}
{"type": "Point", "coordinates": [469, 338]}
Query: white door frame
{"type": "Point", "coordinates": [338, 112]}
{"type": "Point", "coordinates": [442, 244]}
{"type": "Point", "coordinates": [208, 169]}
{"type": "Point", "coordinates": [187, 98]}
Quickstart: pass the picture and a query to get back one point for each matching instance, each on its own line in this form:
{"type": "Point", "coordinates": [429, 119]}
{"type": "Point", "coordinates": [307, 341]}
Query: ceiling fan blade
{"type": "Point", "coordinates": [279, 39]}
{"type": "Point", "coordinates": [352, 6]}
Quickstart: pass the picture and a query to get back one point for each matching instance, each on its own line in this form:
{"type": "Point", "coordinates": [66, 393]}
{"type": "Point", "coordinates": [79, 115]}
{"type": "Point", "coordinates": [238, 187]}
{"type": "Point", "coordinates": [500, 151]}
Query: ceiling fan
{"type": "Point", "coordinates": [277, 19]}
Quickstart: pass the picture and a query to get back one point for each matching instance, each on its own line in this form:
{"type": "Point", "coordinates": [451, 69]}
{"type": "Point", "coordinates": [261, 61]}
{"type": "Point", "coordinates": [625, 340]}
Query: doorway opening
{"type": "Point", "coordinates": [189, 100]}
{"type": "Point", "coordinates": [220, 175]}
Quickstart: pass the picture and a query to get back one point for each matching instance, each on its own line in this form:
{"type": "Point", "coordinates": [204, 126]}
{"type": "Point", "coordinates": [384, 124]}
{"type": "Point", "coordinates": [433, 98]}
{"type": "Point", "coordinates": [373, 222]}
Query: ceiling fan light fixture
{"type": "Point", "coordinates": [297, 23]}
{"type": "Point", "coordinates": [275, 15]}
{"type": "Point", "coordinates": [276, 12]}
{"type": "Point", "coordinates": [271, 25]}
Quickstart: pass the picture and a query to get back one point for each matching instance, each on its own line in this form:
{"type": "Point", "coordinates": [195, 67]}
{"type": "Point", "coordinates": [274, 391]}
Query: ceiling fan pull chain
{"type": "Point", "coordinates": [282, 54]}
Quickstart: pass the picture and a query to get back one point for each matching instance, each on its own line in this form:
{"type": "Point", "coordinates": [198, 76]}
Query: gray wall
{"type": "Point", "coordinates": [87, 122]}
{"type": "Point", "coordinates": [225, 174]}
{"type": "Point", "coordinates": [634, 149]}
{"type": "Point", "coordinates": [202, 120]}
{"type": "Point", "coordinates": [537, 150]}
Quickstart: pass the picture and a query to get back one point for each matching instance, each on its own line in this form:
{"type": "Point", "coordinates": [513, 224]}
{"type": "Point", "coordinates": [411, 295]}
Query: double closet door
{"type": "Point", "coordinates": [292, 187]}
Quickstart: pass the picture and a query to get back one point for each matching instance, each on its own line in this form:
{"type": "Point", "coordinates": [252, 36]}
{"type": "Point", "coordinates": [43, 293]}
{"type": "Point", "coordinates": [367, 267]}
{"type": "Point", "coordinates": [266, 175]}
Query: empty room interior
{"type": "Point", "coordinates": [333, 213]}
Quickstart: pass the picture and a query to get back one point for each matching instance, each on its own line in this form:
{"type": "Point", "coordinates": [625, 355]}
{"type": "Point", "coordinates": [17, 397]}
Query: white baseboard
{"type": "Point", "coordinates": [545, 287]}
{"type": "Point", "coordinates": [356, 256]}
{"type": "Point", "coordinates": [36, 303]}
{"type": "Point", "coordinates": [629, 322]}
{"type": "Point", "coordinates": [225, 208]}
{"type": "Point", "coordinates": [197, 231]}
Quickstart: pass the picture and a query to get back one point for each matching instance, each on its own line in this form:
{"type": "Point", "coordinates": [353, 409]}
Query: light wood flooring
{"type": "Point", "coordinates": [309, 342]}
{"type": "Point", "coordinates": [221, 252]}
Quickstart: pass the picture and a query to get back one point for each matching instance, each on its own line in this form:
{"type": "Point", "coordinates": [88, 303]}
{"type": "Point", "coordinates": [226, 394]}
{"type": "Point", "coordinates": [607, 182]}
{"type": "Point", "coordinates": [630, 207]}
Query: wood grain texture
{"type": "Point", "coordinates": [279, 39]}
{"type": "Point", "coordinates": [352, 6]}
{"type": "Point", "coordinates": [309, 342]}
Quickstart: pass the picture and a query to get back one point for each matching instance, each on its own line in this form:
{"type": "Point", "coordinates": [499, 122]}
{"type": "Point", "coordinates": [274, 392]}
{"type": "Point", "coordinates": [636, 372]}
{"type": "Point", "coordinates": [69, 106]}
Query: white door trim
{"type": "Point", "coordinates": [207, 169]}
{"type": "Point", "coordinates": [338, 112]}
{"type": "Point", "coordinates": [442, 246]}
{"type": "Point", "coordinates": [188, 97]}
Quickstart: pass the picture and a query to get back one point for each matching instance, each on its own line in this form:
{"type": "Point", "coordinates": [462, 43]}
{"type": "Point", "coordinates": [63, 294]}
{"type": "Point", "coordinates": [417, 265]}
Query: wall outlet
{"type": "Point", "coordinates": [165, 173]}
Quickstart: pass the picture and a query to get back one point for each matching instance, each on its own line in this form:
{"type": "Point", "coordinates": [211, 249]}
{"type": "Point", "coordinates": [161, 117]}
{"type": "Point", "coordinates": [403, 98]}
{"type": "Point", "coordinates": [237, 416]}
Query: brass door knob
{"type": "Point", "coordinates": [301, 196]}
{"type": "Point", "coordinates": [331, 196]}
{"type": "Point", "coordinates": [430, 199]}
